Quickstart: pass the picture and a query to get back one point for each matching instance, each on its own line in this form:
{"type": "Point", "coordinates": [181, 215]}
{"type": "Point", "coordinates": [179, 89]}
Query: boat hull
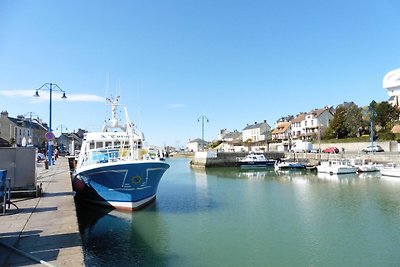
{"type": "Point", "coordinates": [256, 164]}
{"type": "Point", "coordinates": [394, 172]}
{"type": "Point", "coordinates": [123, 185]}
{"type": "Point", "coordinates": [336, 170]}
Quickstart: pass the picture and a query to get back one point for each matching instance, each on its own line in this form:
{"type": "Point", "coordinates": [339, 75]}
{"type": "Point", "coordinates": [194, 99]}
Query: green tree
{"type": "Point", "coordinates": [353, 120]}
{"type": "Point", "coordinates": [347, 122]}
{"type": "Point", "coordinates": [384, 115]}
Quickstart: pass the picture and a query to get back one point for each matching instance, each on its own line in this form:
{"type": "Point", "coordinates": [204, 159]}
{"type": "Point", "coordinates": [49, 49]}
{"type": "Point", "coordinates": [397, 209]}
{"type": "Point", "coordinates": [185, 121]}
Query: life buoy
{"type": "Point", "coordinates": [136, 179]}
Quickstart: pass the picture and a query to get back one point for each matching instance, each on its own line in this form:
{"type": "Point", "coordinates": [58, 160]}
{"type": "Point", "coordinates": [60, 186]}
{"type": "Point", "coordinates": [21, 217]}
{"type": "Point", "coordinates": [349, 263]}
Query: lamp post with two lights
{"type": "Point", "coordinates": [49, 135]}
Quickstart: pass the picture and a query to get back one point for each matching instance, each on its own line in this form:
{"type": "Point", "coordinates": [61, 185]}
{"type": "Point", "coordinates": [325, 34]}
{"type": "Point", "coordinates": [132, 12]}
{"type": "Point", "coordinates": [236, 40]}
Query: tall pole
{"type": "Point", "coordinates": [202, 117]}
{"type": "Point", "coordinates": [372, 130]}
{"type": "Point", "coordinates": [49, 143]}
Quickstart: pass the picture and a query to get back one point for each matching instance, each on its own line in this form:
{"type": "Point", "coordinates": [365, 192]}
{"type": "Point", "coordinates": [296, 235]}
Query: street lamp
{"type": "Point", "coordinates": [371, 114]}
{"type": "Point", "coordinates": [50, 87]}
{"type": "Point", "coordinates": [30, 133]}
{"type": "Point", "coordinates": [202, 117]}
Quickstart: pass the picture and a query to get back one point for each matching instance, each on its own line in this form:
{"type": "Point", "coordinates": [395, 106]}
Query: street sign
{"type": "Point", "coordinates": [49, 136]}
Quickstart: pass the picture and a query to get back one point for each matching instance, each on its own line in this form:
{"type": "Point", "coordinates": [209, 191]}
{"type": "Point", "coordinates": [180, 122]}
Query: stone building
{"type": "Point", "coordinates": [22, 131]}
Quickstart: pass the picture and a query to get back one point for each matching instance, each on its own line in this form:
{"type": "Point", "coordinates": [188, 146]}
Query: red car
{"type": "Point", "coordinates": [332, 149]}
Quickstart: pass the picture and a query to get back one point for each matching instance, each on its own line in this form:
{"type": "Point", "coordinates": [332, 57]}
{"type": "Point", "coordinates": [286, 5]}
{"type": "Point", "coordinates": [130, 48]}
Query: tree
{"type": "Point", "coordinates": [385, 115]}
{"type": "Point", "coordinates": [347, 121]}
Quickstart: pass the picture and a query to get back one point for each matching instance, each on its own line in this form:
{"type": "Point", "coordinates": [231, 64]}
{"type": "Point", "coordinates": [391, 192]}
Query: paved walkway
{"type": "Point", "coordinates": [44, 228]}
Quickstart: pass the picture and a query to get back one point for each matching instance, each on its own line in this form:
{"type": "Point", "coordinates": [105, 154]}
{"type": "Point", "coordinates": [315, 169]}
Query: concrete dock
{"type": "Point", "coordinates": [43, 230]}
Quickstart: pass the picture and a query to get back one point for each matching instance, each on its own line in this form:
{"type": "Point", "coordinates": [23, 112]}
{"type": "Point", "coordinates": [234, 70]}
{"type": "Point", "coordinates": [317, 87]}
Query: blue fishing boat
{"type": "Point", "coordinates": [113, 167]}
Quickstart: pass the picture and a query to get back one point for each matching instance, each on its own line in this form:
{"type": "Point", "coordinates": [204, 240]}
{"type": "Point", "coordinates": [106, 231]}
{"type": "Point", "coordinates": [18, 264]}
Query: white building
{"type": "Point", "coordinates": [196, 145]}
{"type": "Point", "coordinates": [391, 82]}
{"type": "Point", "coordinates": [309, 126]}
{"type": "Point", "coordinates": [256, 134]}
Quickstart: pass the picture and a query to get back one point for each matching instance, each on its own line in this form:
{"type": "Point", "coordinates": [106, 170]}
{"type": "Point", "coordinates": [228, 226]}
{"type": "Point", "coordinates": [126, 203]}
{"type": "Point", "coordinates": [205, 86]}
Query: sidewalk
{"type": "Point", "coordinates": [46, 227]}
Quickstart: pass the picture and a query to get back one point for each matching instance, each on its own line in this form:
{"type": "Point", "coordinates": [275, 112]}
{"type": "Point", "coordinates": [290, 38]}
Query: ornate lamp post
{"type": "Point", "coordinates": [50, 87]}
{"type": "Point", "coordinates": [202, 117]}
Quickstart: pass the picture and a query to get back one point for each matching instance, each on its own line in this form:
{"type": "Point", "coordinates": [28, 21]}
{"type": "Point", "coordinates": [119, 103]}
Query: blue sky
{"type": "Point", "coordinates": [235, 62]}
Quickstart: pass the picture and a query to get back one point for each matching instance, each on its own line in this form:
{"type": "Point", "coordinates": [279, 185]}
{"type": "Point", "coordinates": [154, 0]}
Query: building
{"type": "Point", "coordinates": [282, 131]}
{"type": "Point", "coordinates": [22, 131]}
{"type": "Point", "coordinates": [298, 127]}
{"type": "Point", "coordinates": [391, 81]}
{"type": "Point", "coordinates": [316, 122]}
{"type": "Point", "coordinates": [70, 142]}
{"type": "Point", "coordinates": [310, 126]}
{"type": "Point", "coordinates": [196, 145]}
{"type": "Point", "coordinates": [229, 140]}
{"type": "Point", "coordinates": [256, 134]}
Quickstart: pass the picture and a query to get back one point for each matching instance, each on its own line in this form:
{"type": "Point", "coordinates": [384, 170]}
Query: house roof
{"type": "Point", "coordinates": [233, 135]}
{"type": "Point", "coordinates": [255, 126]}
{"type": "Point", "coordinates": [318, 112]}
{"type": "Point", "coordinates": [24, 122]}
{"type": "Point", "coordinates": [299, 118]}
{"type": "Point", "coordinates": [281, 128]}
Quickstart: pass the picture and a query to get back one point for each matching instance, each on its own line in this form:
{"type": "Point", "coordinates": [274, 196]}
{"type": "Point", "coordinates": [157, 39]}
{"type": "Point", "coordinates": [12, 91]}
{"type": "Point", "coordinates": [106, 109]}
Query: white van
{"type": "Point", "coordinates": [301, 146]}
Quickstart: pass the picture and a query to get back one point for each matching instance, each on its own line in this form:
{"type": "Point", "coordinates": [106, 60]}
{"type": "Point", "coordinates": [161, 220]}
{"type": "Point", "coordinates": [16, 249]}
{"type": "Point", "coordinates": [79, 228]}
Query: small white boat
{"type": "Point", "coordinates": [255, 160]}
{"type": "Point", "coordinates": [362, 166]}
{"type": "Point", "coordinates": [336, 166]}
{"type": "Point", "coordinates": [285, 164]}
{"type": "Point", "coordinates": [391, 169]}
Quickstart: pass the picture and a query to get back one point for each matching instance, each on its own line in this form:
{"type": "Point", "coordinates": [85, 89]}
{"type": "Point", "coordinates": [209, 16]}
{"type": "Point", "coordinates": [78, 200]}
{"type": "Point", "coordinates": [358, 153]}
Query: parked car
{"type": "Point", "coordinates": [374, 148]}
{"type": "Point", "coordinates": [331, 149]}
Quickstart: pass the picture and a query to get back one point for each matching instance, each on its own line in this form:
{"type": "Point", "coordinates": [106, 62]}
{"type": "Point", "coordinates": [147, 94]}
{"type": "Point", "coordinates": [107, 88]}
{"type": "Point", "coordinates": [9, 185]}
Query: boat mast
{"type": "Point", "coordinates": [129, 130]}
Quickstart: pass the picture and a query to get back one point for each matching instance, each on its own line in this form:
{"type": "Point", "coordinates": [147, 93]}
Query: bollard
{"type": "Point", "coordinates": [46, 165]}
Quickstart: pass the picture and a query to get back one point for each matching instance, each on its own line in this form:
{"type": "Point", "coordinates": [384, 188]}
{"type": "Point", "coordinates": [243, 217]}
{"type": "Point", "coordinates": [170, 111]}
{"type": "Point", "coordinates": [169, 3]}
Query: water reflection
{"type": "Point", "coordinates": [105, 231]}
{"type": "Point", "coordinates": [338, 178]}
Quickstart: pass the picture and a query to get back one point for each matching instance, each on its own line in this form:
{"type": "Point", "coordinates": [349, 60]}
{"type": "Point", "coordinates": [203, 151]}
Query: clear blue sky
{"type": "Point", "coordinates": [236, 62]}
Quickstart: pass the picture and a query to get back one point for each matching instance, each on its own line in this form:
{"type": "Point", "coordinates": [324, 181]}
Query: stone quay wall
{"type": "Point", "coordinates": [225, 159]}
{"type": "Point", "coordinates": [347, 150]}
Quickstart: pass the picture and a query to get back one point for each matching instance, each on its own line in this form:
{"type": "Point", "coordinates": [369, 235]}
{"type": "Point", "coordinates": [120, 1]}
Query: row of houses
{"type": "Point", "coordinates": [259, 136]}
{"type": "Point", "coordinates": [27, 131]}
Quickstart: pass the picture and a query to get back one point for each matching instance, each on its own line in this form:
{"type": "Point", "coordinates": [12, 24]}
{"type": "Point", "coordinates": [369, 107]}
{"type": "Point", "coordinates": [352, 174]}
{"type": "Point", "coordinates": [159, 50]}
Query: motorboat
{"type": "Point", "coordinates": [391, 169]}
{"type": "Point", "coordinates": [114, 168]}
{"type": "Point", "coordinates": [254, 159]}
{"type": "Point", "coordinates": [336, 166]}
{"type": "Point", "coordinates": [284, 164]}
{"type": "Point", "coordinates": [362, 166]}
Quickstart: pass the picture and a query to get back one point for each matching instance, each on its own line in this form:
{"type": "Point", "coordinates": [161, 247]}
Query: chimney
{"type": "Point", "coordinates": [4, 114]}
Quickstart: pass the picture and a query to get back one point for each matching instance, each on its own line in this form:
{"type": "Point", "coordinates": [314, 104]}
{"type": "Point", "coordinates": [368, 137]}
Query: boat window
{"type": "Point", "coordinates": [99, 144]}
{"type": "Point", "coordinates": [91, 145]}
{"type": "Point", "coordinates": [108, 144]}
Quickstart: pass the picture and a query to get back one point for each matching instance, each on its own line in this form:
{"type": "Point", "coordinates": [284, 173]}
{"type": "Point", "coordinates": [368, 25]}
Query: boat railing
{"type": "Point", "coordinates": [105, 155]}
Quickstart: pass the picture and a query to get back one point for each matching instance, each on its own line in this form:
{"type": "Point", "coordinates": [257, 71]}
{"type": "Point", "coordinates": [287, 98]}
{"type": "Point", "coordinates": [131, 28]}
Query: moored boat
{"type": "Point", "coordinates": [362, 166]}
{"type": "Point", "coordinates": [253, 160]}
{"type": "Point", "coordinates": [113, 168]}
{"type": "Point", "coordinates": [391, 169]}
{"type": "Point", "coordinates": [284, 164]}
{"type": "Point", "coordinates": [336, 166]}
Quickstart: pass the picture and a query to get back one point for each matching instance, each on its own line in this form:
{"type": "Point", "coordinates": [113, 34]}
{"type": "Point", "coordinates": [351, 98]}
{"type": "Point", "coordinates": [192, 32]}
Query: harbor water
{"type": "Point", "coordinates": [234, 217]}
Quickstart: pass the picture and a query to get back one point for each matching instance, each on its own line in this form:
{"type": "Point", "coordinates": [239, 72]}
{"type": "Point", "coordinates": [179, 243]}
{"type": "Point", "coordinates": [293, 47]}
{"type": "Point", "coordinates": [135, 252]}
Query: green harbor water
{"type": "Point", "coordinates": [234, 217]}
